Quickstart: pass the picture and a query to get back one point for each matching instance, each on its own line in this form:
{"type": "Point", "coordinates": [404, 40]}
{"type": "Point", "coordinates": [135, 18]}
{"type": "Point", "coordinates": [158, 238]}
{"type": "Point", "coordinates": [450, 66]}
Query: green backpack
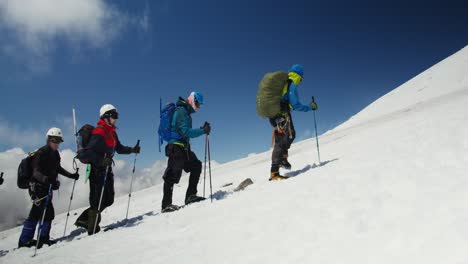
{"type": "Point", "coordinates": [270, 93]}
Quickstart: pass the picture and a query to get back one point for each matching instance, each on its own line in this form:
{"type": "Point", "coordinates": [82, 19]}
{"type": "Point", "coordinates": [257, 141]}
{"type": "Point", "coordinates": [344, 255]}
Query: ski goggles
{"type": "Point", "coordinates": [197, 103]}
{"type": "Point", "coordinates": [113, 114]}
{"type": "Point", "coordinates": [56, 140]}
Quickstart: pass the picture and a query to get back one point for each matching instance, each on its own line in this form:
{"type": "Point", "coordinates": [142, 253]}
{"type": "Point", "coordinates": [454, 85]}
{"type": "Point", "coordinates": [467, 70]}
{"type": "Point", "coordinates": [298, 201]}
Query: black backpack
{"type": "Point", "coordinates": [25, 172]}
{"type": "Point", "coordinates": [83, 138]}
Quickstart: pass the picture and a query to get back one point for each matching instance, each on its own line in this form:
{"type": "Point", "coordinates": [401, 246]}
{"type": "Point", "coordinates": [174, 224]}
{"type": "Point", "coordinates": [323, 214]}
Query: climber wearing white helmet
{"type": "Point", "coordinates": [100, 151]}
{"type": "Point", "coordinates": [46, 167]}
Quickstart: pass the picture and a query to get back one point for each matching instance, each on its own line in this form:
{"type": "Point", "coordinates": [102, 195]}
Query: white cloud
{"type": "Point", "coordinates": [15, 136]}
{"type": "Point", "coordinates": [38, 24]}
{"type": "Point", "coordinates": [144, 20]}
{"type": "Point", "coordinates": [15, 203]}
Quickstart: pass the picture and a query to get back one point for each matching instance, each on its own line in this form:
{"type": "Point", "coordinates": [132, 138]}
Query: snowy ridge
{"type": "Point", "coordinates": [392, 188]}
{"type": "Point", "coordinates": [437, 81]}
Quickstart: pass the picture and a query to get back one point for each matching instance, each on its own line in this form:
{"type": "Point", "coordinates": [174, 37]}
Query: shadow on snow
{"type": "Point", "coordinates": [307, 168]}
{"type": "Point", "coordinates": [122, 223]}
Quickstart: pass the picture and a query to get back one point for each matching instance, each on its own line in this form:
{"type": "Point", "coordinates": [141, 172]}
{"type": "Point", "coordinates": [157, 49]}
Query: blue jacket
{"type": "Point", "coordinates": [182, 123]}
{"type": "Point", "coordinates": [292, 98]}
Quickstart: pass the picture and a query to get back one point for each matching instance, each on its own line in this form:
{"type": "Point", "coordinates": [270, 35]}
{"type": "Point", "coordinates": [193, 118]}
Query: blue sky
{"type": "Point", "coordinates": [131, 53]}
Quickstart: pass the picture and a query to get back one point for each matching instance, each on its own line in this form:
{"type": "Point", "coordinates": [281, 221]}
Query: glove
{"type": "Point", "coordinates": [75, 176]}
{"type": "Point", "coordinates": [314, 105]}
{"type": "Point", "coordinates": [55, 185]}
{"type": "Point", "coordinates": [136, 149]}
{"type": "Point", "coordinates": [207, 128]}
{"type": "Point", "coordinates": [107, 162]}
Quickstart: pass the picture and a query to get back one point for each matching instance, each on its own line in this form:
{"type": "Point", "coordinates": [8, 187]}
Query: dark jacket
{"type": "Point", "coordinates": [104, 142]}
{"type": "Point", "coordinates": [46, 166]}
{"type": "Point", "coordinates": [182, 123]}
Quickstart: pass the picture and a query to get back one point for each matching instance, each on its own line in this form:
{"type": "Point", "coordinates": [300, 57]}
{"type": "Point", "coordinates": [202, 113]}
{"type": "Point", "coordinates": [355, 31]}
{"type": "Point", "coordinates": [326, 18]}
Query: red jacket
{"type": "Point", "coordinates": [104, 142]}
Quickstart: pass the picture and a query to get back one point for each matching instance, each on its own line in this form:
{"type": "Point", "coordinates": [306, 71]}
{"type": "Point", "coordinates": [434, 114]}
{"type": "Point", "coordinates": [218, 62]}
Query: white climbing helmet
{"type": "Point", "coordinates": [55, 132]}
{"type": "Point", "coordinates": [106, 108]}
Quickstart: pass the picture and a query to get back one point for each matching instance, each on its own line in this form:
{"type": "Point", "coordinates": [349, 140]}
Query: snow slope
{"type": "Point", "coordinates": [392, 188]}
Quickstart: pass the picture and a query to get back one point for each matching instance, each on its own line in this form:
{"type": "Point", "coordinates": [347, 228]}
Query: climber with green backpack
{"type": "Point", "coordinates": [277, 96]}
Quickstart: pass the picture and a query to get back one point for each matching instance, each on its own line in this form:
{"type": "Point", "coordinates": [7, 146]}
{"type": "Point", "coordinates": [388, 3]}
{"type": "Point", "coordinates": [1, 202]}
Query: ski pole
{"type": "Point", "coordinates": [43, 218]}
{"type": "Point", "coordinates": [204, 167]}
{"type": "Point", "coordinates": [209, 166]}
{"type": "Point", "coordinates": [76, 168]}
{"type": "Point", "coordinates": [131, 182]}
{"type": "Point", "coordinates": [100, 199]}
{"type": "Point", "coordinates": [316, 133]}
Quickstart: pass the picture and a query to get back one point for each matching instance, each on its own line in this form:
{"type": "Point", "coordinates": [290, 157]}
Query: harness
{"type": "Point", "coordinates": [37, 201]}
{"type": "Point", "coordinates": [283, 124]}
{"type": "Point", "coordinates": [283, 119]}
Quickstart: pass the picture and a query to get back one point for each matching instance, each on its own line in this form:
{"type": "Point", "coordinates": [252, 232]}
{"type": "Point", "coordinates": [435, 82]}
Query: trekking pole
{"type": "Point", "coordinates": [316, 134]}
{"type": "Point", "coordinates": [43, 218]}
{"type": "Point", "coordinates": [204, 167]}
{"type": "Point", "coordinates": [75, 166]}
{"type": "Point", "coordinates": [209, 166]}
{"type": "Point", "coordinates": [131, 182]}
{"type": "Point", "coordinates": [160, 110]}
{"type": "Point", "coordinates": [69, 206]}
{"type": "Point", "coordinates": [100, 199]}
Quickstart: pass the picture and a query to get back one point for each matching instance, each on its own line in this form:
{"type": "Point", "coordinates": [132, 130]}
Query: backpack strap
{"type": "Point", "coordinates": [287, 105]}
{"type": "Point", "coordinates": [108, 135]}
{"type": "Point", "coordinates": [184, 139]}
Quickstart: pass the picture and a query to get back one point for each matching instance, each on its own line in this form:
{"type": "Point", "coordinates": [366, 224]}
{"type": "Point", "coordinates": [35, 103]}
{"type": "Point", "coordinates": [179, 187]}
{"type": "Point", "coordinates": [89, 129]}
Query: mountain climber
{"type": "Point", "coordinates": [284, 133]}
{"type": "Point", "coordinates": [100, 151]}
{"type": "Point", "coordinates": [180, 155]}
{"type": "Point", "coordinates": [45, 170]}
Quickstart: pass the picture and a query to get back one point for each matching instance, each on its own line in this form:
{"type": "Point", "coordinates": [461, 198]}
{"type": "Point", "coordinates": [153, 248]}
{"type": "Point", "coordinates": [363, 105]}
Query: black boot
{"type": "Point", "coordinates": [170, 208]}
{"type": "Point", "coordinates": [30, 243]}
{"type": "Point", "coordinates": [45, 241]}
{"type": "Point", "coordinates": [93, 226]}
{"type": "Point", "coordinates": [193, 199]}
{"type": "Point", "coordinates": [82, 220]}
{"type": "Point", "coordinates": [167, 195]}
{"type": "Point", "coordinates": [191, 194]}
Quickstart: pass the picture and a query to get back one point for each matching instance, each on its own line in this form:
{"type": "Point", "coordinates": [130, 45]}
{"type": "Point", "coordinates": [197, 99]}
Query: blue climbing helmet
{"type": "Point", "coordinates": [297, 68]}
{"type": "Point", "coordinates": [196, 100]}
{"type": "Point", "coordinates": [198, 97]}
